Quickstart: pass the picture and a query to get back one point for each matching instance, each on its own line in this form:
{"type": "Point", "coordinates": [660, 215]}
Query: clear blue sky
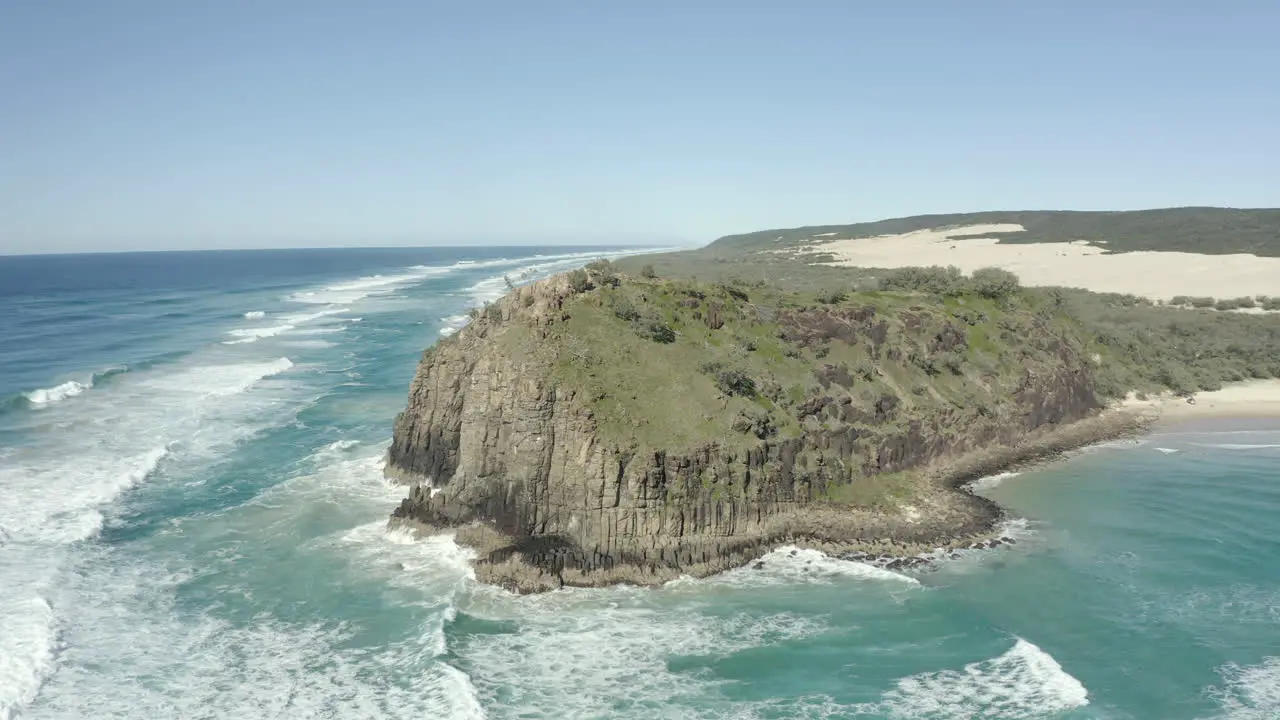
{"type": "Point", "coordinates": [187, 124]}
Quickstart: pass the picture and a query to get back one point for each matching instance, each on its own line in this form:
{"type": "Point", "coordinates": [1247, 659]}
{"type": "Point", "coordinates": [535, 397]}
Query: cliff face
{"type": "Point", "coordinates": [526, 433]}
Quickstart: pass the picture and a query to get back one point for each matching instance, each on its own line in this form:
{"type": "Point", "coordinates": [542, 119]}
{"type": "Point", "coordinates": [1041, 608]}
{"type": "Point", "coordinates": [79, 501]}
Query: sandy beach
{"type": "Point", "coordinates": [1156, 275]}
{"type": "Point", "coordinates": [1252, 398]}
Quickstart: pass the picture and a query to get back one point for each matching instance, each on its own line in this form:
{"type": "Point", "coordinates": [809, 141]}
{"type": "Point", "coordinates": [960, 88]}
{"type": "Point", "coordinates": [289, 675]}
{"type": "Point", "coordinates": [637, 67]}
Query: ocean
{"type": "Point", "coordinates": [193, 525]}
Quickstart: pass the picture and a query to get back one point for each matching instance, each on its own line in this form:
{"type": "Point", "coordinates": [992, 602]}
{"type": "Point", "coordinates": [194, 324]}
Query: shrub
{"type": "Point", "coordinates": [659, 332]}
{"type": "Point", "coordinates": [994, 283]}
{"type": "Point", "coordinates": [831, 297]}
{"type": "Point", "coordinates": [1202, 302]}
{"type": "Point", "coordinates": [603, 272]}
{"type": "Point", "coordinates": [935, 280]}
{"type": "Point", "coordinates": [734, 382]}
{"type": "Point", "coordinates": [579, 281]}
{"type": "Point", "coordinates": [648, 272]}
{"type": "Point", "coordinates": [1181, 300]}
{"type": "Point", "coordinates": [1271, 304]}
{"type": "Point", "coordinates": [623, 308]}
{"type": "Point", "coordinates": [953, 362]}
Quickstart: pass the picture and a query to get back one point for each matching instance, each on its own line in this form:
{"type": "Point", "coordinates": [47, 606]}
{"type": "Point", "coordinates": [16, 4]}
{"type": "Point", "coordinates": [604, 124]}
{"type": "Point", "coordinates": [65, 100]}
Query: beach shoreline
{"type": "Point", "coordinates": [1247, 399]}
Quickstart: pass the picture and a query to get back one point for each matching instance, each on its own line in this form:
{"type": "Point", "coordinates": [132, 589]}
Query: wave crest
{"type": "Point", "coordinates": [1023, 682]}
{"type": "Point", "coordinates": [57, 393]}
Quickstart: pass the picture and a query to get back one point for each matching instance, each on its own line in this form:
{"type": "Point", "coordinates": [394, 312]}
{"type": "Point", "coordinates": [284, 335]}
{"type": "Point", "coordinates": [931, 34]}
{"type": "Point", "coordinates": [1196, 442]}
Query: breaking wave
{"type": "Point", "coordinates": [1022, 683]}
{"type": "Point", "coordinates": [57, 393]}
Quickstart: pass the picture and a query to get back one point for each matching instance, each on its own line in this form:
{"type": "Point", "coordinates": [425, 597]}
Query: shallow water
{"type": "Point", "coordinates": [193, 525]}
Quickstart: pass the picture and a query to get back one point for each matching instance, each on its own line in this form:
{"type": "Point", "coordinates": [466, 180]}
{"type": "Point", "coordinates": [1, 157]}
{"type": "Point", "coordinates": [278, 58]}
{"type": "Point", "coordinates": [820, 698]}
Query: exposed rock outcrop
{"type": "Point", "coordinates": [499, 448]}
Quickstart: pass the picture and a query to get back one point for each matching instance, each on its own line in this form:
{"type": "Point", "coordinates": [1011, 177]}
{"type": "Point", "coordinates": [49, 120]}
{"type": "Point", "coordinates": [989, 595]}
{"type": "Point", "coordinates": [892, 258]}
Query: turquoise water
{"type": "Point", "coordinates": [192, 524]}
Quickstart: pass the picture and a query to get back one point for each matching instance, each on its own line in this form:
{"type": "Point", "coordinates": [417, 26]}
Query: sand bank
{"type": "Point", "coordinates": [1157, 275]}
{"type": "Point", "coordinates": [1252, 398]}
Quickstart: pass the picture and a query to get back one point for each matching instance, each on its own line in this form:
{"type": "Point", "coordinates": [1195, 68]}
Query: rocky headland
{"type": "Point", "coordinates": [595, 428]}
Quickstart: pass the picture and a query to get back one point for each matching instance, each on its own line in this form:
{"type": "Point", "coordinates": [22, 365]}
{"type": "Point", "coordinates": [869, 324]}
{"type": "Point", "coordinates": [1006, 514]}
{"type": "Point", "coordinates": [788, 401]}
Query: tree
{"type": "Point", "coordinates": [995, 283]}
{"type": "Point", "coordinates": [648, 272]}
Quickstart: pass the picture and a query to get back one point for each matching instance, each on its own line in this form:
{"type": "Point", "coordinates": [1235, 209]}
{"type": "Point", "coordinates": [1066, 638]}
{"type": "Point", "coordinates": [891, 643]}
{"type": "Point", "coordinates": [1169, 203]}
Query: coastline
{"type": "Point", "coordinates": [1247, 399]}
{"type": "Point", "coordinates": [955, 518]}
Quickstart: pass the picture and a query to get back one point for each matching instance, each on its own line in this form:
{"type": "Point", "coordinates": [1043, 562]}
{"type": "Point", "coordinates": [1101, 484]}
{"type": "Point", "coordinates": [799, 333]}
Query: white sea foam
{"type": "Point", "coordinates": [1241, 446]}
{"type": "Point", "coordinates": [28, 646]}
{"type": "Point", "coordinates": [58, 393]}
{"type": "Point", "coordinates": [790, 564]}
{"type": "Point", "coordinates": [1022, 683]}
{"type": "Point", "coordinates": [254, 315]}
{"type": "Point", "coordinates": [606, 653]}
{"type": "Point", "coordinates": [345, 293]}
{"type": "Point", "coordinates": [1249, 692]}
{"type": "Point", "coordinates": [323, 330]}
{"type": "Point", "coordinates": [218, 380]}
{"type": "Point", "coordinates": [1167, 451]}
{"type": "Point", "coordinates": [59, 485]}
{"type": "Point", "coordinates": [307, 344]}
{"type": "Point", "coordinates": [248, 335]}
{"type": "Point", "coordinates": [303, 318]}
{"type": "Point", "coordinates": [435, 566]}
{"type": "Point", "coordinates": [132, 652]}
{"type": "Point", "coordinates": [173, 666]}
{"type": "Point", "coordinates": [453, 324]}
{"type": "Point", "coordinates": [990, 481]}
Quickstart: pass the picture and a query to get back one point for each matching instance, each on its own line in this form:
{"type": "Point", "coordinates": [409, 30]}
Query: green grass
{"type": "Point", "coordinates": [884, 491]}
{"type": "Point", "coordinates": [794, 350]}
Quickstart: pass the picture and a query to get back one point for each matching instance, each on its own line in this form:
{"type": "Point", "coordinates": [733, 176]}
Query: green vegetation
{"type": "Point", "coordinates": [1184, 346]}
{"type": "Point", "coordinates": [678, 363]}
{"type": "Point", "coordinates": [1235, 304]}
{"type": "Point", "coordinates": [1191, 229]}
{"type": "Point", "coordinates": [991, 283]}
{"type": "Point", "coordinates": [1144, 347]}
{"type": "Point", "coordinates": [580, 281]}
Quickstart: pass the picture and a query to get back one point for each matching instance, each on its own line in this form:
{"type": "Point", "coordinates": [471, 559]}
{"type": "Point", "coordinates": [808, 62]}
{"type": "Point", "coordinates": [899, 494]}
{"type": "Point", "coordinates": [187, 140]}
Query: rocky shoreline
{"type": "Point", "coordinates": [511, 441]}
{"type": "Point", "coordinates": [902, 546]}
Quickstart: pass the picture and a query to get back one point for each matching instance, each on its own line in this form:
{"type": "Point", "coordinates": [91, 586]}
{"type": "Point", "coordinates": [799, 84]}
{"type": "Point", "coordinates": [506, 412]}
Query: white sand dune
{"type": "Point", "coordinates": [1252, 398]}
{"type": "Point", "coordinates": [1156, 275]}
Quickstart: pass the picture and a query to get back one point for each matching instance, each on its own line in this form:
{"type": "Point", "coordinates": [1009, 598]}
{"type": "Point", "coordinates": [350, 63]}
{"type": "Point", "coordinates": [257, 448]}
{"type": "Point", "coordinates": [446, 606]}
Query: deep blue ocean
{"type": "Point", "coordinates": [193, 525]}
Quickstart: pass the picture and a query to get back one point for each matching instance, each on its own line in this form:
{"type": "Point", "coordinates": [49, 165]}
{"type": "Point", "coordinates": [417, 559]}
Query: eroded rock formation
{"type": "Point", "coordinates": [496, 449]}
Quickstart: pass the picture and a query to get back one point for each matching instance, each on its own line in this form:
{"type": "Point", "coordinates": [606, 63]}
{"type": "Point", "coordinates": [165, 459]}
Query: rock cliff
{"type": "Point", "coordinates": [591, 429]}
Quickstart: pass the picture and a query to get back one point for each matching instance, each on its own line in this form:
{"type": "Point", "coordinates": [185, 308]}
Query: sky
{"type": "Point", "coordinates": [140, 124]}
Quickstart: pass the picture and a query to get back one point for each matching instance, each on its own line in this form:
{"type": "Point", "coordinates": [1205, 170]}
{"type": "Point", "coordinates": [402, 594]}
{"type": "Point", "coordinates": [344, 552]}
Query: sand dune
{"type": "Point", "coordinates": [1252, 398]}
{"type": "Point", "coordinates": [1157, 275]}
